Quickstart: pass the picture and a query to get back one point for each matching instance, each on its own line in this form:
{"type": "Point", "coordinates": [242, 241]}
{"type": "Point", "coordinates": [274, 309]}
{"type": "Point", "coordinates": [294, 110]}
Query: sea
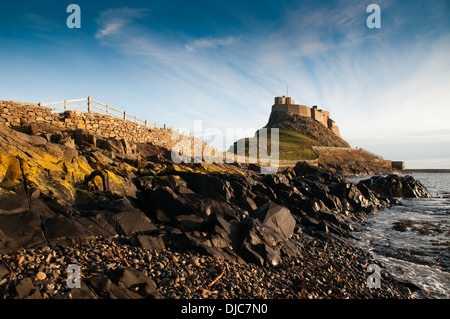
{"type": "Point", "coordinates": [418, 252]}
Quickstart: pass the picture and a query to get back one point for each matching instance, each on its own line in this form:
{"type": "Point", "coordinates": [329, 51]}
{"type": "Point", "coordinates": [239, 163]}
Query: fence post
{"type": "Point", "coordinates": [124, 115]}
{"type": "Point", "coordinates": [107, 109]}
{"type": "Point", "coordinates": [164, 126]}
{"type": "Point", "coordinates": [145, 123]}
{"type": "Point", "coordinates": [65, 105]}
{"type": "Point", "coordinates": [89, 104]}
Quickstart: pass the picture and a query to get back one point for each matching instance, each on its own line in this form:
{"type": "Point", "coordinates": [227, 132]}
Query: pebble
{"type": "Point", "coordinates": [41, 275]}
{"type": "Point", "coordinates": [196, 261]}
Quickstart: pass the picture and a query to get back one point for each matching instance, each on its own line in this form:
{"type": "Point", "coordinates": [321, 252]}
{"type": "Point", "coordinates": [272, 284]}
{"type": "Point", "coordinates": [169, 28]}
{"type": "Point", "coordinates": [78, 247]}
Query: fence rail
{"type": "Point", "coordinates": [93, 106]}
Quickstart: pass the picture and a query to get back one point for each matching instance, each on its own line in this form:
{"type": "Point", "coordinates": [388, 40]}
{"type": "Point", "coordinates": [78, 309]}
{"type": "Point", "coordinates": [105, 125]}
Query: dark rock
{"type": "Point", "coordinates": [265, 192]}
{"type": "Point", "coordinates": [275, 179]}
{"type": "Point", "coordinates": [16, 203]}
{"type": "Point", "coordinates": [84, 292]}
{"type": "Point", "coordinates": [66, 231]}
{"type": "Point", "coordinates": [396, 186]}
{"type": "Point", "coordinates": [309, 221]}
{"type": "Point", "coordinates": [112, 145]}
{"type": "Point", "coordinates": [149, 241]}
{"type": "Point", "coordinates": [25, 289]}
{"type": "Point", "coordinates": [305, 169]}
{"type": "Point", "coordinates": [145, 183]}
{"type": "Point", "coordinates": [176, 239]}
{"type": "Point", "coordinates": [134, 280]}
{"type": "Point", "coordinates": [352, 198]}
{"type": "Point", "coordinates": [22, 230]}
{"type": "Point", "coordinates": [101, 285]}
{"type": "Point", "coordinates": [323, 226]}
{"type": "Point", "coordinates": [230, 231]}
{"type": "Point", "coordinates": [263, 244]}
{"type": "Point", "coordinates": [330, 177]}
{"type": "Point", "coordinates": [84, 139]}
{"type": "Point", "coordinates": [189, 222]}
{"type": "Point", "coordinates": [124, 219]}
{"type": "Point", "coordinates": [224, 253]}
{"type": "Point", "coordinates": [276, 216]}
{"type": "Point", "coordinates": [246, 203]}
{"type": "Point", "coordinates": [208, 186]}
{"type": "Point", "coordinates": [3, 271]}
{"type": "Point", "coordinates": [313, 206]}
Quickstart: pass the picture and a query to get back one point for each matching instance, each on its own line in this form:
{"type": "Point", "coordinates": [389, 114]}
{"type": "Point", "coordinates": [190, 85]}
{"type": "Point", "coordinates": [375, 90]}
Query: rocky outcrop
{"type": "Point", "coordinates": [307, 127]}
{"type": "Point", "coordinates": [396, 186]}
{"type": "Point", "coordinates": [69, 187]}
{"type": "Point", "coordinates": [65, 189]}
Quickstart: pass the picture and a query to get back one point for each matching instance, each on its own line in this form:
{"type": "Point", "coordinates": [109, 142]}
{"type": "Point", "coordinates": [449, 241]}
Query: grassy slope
{"type": "Point", "coordinates": [293, 146]}
{"type": "Point", "coordinates": [296, 146]}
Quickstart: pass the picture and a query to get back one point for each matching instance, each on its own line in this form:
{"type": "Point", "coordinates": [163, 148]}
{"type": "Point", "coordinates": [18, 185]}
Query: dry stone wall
{"type": "Point", "coordinates": [18, 114]}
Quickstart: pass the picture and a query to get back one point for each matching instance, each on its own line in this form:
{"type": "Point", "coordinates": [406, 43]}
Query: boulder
{"type": "Point", "coordinates": [149, 241]}
{"type": "Point", "coordinates": [264, 245]}
{"type": "Point", "coordinates": [189, 222]}
{"type": "Point", "coordinates": [25, 289]}
{"type": "Point", "coordinates": [21, 230]}
{"type": "Point", "coordinates": [396, 186]}
{"type": "Point", "coordinates": [122, 283]}
{"type": "Point", "coordinates": [84, 139]}
{"type": "Point", "coordinates": [209, 186]}
{"type": "Point", "coordinates": [352, 198]}
{"type": "Point", "coordinates": [123, 219]}
{"type": "Point", "coordinates": [277, 217]}
{"type": "Point", "coordinates": [13, 203]}
{"type": "Point", "coordinates": [134, 281]}
{"type": "Point", "coordinates": [305, 169]}
{"type": "Point", "coordinates": [66, 231]}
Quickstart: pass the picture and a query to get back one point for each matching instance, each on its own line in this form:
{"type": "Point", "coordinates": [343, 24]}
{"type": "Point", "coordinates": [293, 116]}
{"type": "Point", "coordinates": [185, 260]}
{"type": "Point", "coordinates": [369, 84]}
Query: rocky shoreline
{"type": "Point", "coordinates": [139, 226]}
{"type": "Point", "coordinates": [114, 269]}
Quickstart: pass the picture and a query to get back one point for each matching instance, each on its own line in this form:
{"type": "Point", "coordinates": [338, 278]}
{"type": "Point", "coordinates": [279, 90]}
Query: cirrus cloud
{"type": "Point", "coordinates": [210, 42]}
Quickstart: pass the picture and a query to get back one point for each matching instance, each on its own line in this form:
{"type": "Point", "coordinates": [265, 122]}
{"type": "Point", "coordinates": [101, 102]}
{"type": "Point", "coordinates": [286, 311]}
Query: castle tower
{"type": "Point", "coordinates": [282, 100]}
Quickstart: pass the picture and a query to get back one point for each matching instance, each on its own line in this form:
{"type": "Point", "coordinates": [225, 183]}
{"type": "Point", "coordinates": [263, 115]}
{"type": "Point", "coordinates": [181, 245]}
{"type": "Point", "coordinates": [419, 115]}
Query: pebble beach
{"type": "Point", "coordinates": [323, 270]}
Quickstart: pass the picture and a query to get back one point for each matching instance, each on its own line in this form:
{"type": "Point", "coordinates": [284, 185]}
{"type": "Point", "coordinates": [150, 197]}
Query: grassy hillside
{"type": "Point", "coordinates": [293, 145]}
{"type": "Point", "coordinates": [296, 146]}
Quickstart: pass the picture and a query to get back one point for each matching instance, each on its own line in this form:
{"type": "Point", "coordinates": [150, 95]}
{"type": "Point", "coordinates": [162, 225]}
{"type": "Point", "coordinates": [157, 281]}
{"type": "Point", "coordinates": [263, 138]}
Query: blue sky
{"type": "Point", "coordinates": [223, 62]}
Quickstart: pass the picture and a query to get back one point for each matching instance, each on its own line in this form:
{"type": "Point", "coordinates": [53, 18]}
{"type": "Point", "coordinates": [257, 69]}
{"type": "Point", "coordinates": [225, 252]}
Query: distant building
{"type": "Point", "coordinates": [287, 105]}
{"type": "Point", "coordinates": [398, 165]}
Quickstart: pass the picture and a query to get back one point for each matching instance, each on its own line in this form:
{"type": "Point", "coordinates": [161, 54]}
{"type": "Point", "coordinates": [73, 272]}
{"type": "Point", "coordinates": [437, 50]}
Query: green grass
{"type": "Point", "coordinates": [296, 146]}
{"type": "Point", "coordinates": [293, 146]}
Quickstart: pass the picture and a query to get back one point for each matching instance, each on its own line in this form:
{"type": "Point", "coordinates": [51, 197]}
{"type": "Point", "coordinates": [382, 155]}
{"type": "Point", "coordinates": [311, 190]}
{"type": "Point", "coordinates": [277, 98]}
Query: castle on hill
{"type": "Point", "coordinates": [287, 105]}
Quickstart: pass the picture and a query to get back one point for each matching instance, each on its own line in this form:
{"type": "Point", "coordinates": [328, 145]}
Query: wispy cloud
{"type": "Point", "coordinates": [112, 21]}
{"type": "Point", "coordinates": [210, 42]}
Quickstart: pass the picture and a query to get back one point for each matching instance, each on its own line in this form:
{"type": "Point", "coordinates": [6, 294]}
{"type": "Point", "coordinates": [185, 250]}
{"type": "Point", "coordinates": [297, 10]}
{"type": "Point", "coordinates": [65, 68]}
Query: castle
{"type": "Point", "coordinates": [287, 105]}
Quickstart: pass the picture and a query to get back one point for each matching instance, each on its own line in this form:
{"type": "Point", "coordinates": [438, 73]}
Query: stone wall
{"type": "Point", "coordinates": [287, 105]}
{"type": "Point", "coordinates": [18, 114]}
